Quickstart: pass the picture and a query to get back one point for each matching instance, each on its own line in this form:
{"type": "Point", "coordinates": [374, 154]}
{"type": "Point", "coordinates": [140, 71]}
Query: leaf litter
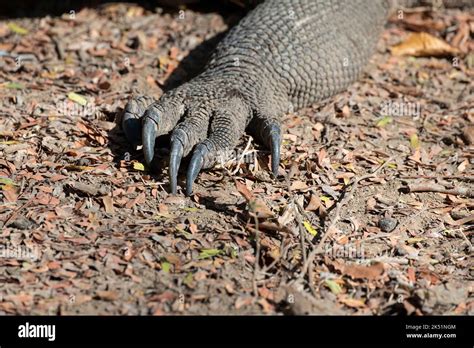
{"type": "Point", "coordinates": [88, 229]}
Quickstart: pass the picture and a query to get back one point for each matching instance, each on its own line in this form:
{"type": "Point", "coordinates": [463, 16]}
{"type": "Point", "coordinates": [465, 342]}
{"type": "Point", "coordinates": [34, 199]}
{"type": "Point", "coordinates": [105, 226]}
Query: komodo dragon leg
{"type": "Point", "coordinates": [285, 54]}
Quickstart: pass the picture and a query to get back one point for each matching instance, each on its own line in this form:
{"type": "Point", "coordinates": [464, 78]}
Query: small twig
{"type": "Point", "coordinates": [459, 222]}
{"type": "Point", "coordinates": [468, 242]}
{"type": "Point", "coordinates": [301, 229]}
{"type": "Point", "coordinates": [299, 210]}
{"type": "Point", "coordinates": [432, 187]}
{"type": "Point", "coordinates": [445, 177]}
{"type": "Point", "coordinates": [59, 48]}
{"type": "Point", "coordinates": [387, 259]}
{"type": "Point", "coordinates": [257, 257]}
{"type": "Point", "coordinates": [239, 162]}
{"type": "Point", "coordinates": [146, 184]}
{"type": "Point", "coordinates": [16, 212]}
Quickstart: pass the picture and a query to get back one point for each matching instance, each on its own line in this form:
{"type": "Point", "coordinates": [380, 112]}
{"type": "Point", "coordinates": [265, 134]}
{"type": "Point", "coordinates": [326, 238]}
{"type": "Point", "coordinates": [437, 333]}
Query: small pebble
{"type": "Point", "coordinates": [84, 162]}
{"type": "Point", "coordinates": [387, 224]}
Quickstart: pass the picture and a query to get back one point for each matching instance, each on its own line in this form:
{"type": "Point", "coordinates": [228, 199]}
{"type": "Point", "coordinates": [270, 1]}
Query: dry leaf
{"type": "Point", "coordinates": [314, 203]}
{"type": "Point", "coordinates": [107, 295]}
{"type": "Point", "coordinates": [352, 302]}
{"type": "Point", "coordinates": [298, 185]}
{"type": "Point", "coordinates": [355, 271]}
{"type": "Point", "coordinates": [108, 204]}
{"type": "Point", "coordinates": [424, 45]}
{"type": "Point", "coordinates": [256, 206]}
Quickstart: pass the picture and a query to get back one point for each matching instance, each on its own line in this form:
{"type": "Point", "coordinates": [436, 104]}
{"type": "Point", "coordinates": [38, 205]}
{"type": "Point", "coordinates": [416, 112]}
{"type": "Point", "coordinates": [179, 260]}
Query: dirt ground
{"type": "Point", "coordinates": [372, 213]}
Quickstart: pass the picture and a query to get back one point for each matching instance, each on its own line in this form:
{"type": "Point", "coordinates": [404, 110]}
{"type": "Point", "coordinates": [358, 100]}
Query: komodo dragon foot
{"type": "Point", "coordinates": [207, 119]}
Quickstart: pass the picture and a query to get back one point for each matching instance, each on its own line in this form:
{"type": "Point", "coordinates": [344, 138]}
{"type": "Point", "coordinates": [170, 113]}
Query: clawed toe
{"type": "Point", "coordinates": [207, 128]}
{"type": "Point", "coordinates": [131, 120]}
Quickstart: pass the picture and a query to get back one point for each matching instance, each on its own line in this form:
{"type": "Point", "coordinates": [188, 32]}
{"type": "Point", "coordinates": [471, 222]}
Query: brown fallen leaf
{"type": "Point", "coordinates": [75, 168]}
{"type": "Point", "coordinates": [8, 307]}
{"type": "Point", "coordinates": [79, 240]}
{"type": "Point", "coordinates": [107, 295]}
{"type": "Point", "coordinates": [459, 222]}
{"type": "Point", "coordinates": [87, 189]}
{"type": "Point", "coordinates": [19, 298]}
{"type": "Point", "coordinates": [92, 132]}
{"type": "Point", "coordinates": [256, 205]}
{"type": "Point", "coordinates": [53, 265]}
{"type": "Point", "coordinates": [411, 274]}
{"type": "Point", "coordinates": [424, 45]}
{"type": "Point", "coordinates": [267, 307]}
{"type": "Point", "coordinates": [243, 301]}
{"type": "Point", "coordinates": [314, 203]}
{"type": "Point", "coordinates": [355, 271]}
{"type": "Point", "coordinates": [141, 198]}
{"type": "Point", "coordinates": [462, 37]}
{"type": "Point", "coordinates": [431, 277]}
{"type": "Point", "coordinates": [352, 302]}
{"type": "Point", "coordinates": [80, 299]}
{"type": "Point", "coordinates": [46, 199]}
{"type": "Point", "coordinates": [266, 293]}
{"type": "Point", "coordinates": [9, 193]}
{"type": "Point", "coordinates": [108, 204]}
{"type": "Point", "coordinates": [151, 81]}
{"type": "Point", "coordinates": [129, 272]}
{"type": "Point", "coordinates": [243, 190]}
{"type": "Point", "coordinates": [193, 228]}
{"type": "Point", "coordinates": [166, 296]}
{"type": "Point", "coordinates": [419, 22]}
{"type": "Point", "coordinates": [298, 185]}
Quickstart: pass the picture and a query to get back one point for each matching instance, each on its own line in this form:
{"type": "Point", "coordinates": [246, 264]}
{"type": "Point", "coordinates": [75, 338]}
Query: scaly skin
{"type": "Point", "coordinates": [285, 54]}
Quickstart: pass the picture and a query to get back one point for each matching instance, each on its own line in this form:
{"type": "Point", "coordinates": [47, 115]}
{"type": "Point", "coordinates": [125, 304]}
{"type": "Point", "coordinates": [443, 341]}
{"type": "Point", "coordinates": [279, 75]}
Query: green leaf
{"type": "Point", "coordinates": [160, 216]}
{"type": "Point", "coordinates": [384, 121]}
{"type": "Point", "coordinates": [207, 253]}
{"type": "Point", "coordinates": [188, 280]}
{"type": "Point", "coordinates": [392, 165]}
{"type": "Point", "coordinates": [165, 267]}
{"type": "Point", "coordinates": [14, 85]}
{"type": "Point", "coordinates": [7, 181]}
{"type": "Point", "coordinates": [325, 199]}
{"type": "Point", "coordinates": [185, 234]}
{"type": "Point", "coordinates": [414, 141]}
{"type": "Point", "coordinates": [26, 266]}
{"type": "Point", "coordinates": [333, 286]}
{"type": "Point", "coordinates": [138, 166]}
{"type": "Point", "coordinates": [310, 228]}
{"type": "Point", "coordinates": [17, 29]}
{"type": "Point", "coordinates": [446, 152]}
{"type": "Point", "coordinates": [81, 100]}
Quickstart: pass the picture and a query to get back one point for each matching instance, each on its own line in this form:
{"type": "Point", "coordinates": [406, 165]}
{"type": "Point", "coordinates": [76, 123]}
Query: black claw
{"type": "Point", "coordinates": [195, 166]}
{"type": "Point", "coordinates": [131, 126]}
{"type": "Point", "coordinates": [175, 160]}
{"type": "Point", "coordinates": [149, 132]}
{"type": "Point", "coordinates": [275, 144]}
